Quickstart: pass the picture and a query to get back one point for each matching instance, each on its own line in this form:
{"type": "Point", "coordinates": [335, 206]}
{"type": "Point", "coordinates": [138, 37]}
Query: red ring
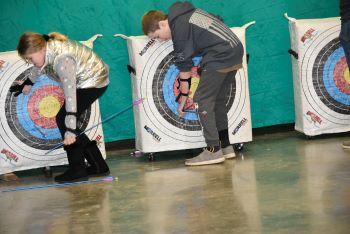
{"type": "Point", "coordinates": [339, 80]}
{"type": "Point", "coordinates": [33, 105]}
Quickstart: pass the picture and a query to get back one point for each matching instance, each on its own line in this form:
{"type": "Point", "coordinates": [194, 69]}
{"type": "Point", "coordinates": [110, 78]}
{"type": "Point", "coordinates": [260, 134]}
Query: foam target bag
{"type": "Point", "coordinates": [154, 77]}
{"type": "Point", "coordinates": [28, 127]}
{"type": "Point", "coordinates": [320, 76]}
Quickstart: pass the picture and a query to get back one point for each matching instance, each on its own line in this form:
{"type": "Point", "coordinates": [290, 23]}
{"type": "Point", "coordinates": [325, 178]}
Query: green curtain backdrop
{"type": "Point", "coordinates": [270, 74]}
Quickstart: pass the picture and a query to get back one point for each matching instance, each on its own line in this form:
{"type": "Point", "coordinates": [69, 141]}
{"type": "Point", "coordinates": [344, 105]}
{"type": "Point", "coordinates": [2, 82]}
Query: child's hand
{"type": "Point", "coordinates": [26, 89]}
{"type": "Point", "coordinates": [181, 107]}
{"type": "Point", "coordinates": [68, 140]}
{"type": "Point", "coordinates": [18, 88]}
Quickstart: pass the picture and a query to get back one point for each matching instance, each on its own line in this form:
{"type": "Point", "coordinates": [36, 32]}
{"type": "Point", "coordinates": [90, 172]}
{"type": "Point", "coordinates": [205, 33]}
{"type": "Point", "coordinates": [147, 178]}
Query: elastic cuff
{"type": "Point", "coordinates": [71, 113]}
{"type": "Point", "coordinates": [69, 134]}
{"type": "Point", "coordinates": [213, 143]}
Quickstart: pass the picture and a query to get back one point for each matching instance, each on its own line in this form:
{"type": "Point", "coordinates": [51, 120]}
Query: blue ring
{"type": "Point", "coordinates": [328, 75]}
{"type": "Point", "coordinates": [168, 89]}
{"type": "Point", "coordinates": [23, 112]}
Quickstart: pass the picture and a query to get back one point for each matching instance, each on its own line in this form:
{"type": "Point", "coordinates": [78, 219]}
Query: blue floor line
{"type": "Point", "coordinates": [57, 185]}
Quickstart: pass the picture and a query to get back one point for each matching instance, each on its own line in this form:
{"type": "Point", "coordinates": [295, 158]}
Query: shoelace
{"type": "Point", "coordinates": [211, 149]}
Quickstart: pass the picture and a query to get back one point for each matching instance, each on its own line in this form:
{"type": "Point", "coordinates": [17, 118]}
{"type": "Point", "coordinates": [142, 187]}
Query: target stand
{"type": "Point", "coordinates": [28, 126]}
{"type": "Point", "coordinates": [155, 79]}
{"type": "Point", "coordinates": [321, 77]}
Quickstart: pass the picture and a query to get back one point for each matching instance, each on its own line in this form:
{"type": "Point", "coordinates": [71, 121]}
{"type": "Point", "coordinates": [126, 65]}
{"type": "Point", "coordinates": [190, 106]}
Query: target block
{"type": "Point", "coordinates": [155, 79]}
{"type": "Point", "coordinates": [28, 127]}
{"type": "Point", "coordinates": [320, 77]}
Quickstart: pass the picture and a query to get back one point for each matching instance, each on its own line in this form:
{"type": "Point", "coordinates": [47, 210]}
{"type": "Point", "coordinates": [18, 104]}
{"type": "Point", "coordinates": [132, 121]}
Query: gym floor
{"type": "Point", "coordinates": [279, 183]}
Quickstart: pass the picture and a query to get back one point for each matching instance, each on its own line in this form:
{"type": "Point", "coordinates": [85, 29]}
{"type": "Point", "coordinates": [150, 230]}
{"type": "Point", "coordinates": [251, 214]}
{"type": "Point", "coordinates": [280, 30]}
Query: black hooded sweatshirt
{"type": "Point", "coordinates": [196, 32]}
{"type": "Point", "coordinates": [345, 10]}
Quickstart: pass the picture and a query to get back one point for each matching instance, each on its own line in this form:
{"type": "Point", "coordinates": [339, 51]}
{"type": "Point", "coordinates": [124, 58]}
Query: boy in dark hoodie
{"type": "Point", "coordinates": [196, 32]}
{"type": "Point", "coordinates": [345, 39]}
{"type": "Point", "coordinates": [345, 28]}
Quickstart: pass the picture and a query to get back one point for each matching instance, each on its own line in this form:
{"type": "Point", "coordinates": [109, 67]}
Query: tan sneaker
{"type": "Point", "coordinates": [206, 158]}
{"type": "Point", "coordinates": [228, 152]}
{"type": "Point", "coordinates": [346, 145]}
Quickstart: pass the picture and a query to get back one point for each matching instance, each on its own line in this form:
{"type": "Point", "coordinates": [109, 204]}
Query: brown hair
{"type": "Point", "coordinates": [150, 21]}
{"type": "Point", "coordinates": [31, 42]}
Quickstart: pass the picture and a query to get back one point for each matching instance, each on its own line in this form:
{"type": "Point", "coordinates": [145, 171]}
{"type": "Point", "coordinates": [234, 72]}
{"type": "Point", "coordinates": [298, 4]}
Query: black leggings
{"type": "Point", "coordinates": [85, 98]}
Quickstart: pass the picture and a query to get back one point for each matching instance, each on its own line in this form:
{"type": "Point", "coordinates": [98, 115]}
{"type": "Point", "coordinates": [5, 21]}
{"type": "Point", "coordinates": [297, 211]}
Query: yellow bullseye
{"type": "Point", "coordinates": [49, 106]}
{"type": "Point", "coordinates": [347, 75]}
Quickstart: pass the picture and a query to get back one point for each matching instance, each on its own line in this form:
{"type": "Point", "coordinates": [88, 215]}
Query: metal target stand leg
{"type": "Point", "coordinates": [309, 137]}
{"type": "Point", "coordinates": [238, 146]}
{"type": "Point", "coordinates": [151, 157]}
{"type": "Point", "coordinates": [47, 172]}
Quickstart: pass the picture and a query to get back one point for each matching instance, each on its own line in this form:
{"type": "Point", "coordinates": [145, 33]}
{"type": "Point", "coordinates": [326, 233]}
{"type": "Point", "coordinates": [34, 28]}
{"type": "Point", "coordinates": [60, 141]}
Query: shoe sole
{"type": "Point", "coordinates": [231, 155]}
{"type": "Point", "coordinates": [100, 174]}
{"type": "Point", "coordinates": [227, 156]}
{"type": "Point", "coordinates": [72, 181]}
{"type": "Point", "coordinates": [219, 160]}
{"type": "Point", "coordinates": [345, 147]}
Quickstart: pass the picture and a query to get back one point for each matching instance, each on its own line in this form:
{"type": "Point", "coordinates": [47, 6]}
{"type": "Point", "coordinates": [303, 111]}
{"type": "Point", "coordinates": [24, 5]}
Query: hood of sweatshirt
{"type": "Point", "coordinates": [178, 9]}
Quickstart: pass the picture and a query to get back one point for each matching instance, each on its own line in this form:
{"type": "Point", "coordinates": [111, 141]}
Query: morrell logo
{"type": "Point", "coordinates": [314, 118]}
{"type": "Point", "coordinates": [147, 46]}
{"type": "Point", "coordinates": [2, 65]}
{"type": "Point", "coordinates": [98, 139]}
{"type": "Point", "coordinates": [308, 35]}
{"type": "Point", "coordinates": [9, 155]}
{"type": "Point", "coordinates": [241, 124]}
{"type": "Point", "coordinates": [155, 135]}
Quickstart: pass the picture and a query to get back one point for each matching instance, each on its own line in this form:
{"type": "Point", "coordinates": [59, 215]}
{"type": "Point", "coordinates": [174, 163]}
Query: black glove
{"type": "Point", "coordinates": [17, 89]}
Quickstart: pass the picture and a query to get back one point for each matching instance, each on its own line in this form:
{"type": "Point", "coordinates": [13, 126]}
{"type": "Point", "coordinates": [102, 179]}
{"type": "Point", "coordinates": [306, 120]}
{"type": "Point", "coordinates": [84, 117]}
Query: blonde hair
{"type": "Point", "coordinates": [150, 21]}
{"type": "Point", "coordinates": [31, 42]}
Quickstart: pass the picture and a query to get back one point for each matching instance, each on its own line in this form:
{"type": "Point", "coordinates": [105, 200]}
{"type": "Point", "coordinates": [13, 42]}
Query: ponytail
{"type": "Point", "coordinates": [31, 42]}
{"type": "Point", "coordinates": [58, 36]}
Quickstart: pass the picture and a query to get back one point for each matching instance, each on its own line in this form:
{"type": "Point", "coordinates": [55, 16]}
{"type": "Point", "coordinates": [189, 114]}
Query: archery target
{"type": "Point", "coordinates": [32, 117]}
{"type": "Point", "coordinates": [28, 126]}
{"type": "Point", "coordinates": [322, 75]}
{"type": "Point", "coordinates": [157, 123]}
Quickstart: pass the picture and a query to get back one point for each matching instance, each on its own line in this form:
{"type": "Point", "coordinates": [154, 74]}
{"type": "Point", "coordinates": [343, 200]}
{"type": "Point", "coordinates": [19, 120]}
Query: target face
{"type": "Point", "coordinates": [165, 90]}
{"type": "Point", "coordinates": [28, 122]}
{"type": "Point", "coordinates": [32, 117]}
{"type": "Point", "coordinates": [159, 87]}
{"type": "Point", "coordinates": [325, 77]}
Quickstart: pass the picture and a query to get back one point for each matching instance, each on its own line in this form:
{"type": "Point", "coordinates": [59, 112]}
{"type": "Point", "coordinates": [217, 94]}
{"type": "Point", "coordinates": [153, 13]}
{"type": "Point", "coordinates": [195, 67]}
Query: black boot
{"type": "Point", "coordinates": [77, 170]}
{"type": "Point", "coordinates": [97, 165]}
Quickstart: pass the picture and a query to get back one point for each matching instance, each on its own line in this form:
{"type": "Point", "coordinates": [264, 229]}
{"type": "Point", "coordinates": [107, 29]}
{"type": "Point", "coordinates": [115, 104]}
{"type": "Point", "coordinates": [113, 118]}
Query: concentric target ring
{"type": "Point", "coordinates": [29, 118]}
{"type": "Point", "coordinates": [329, 83]}
{"type": "Point", "coordinates": [44, 103]}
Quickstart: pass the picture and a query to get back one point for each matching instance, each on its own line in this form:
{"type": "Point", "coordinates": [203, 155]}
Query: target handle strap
{"type": "Point", "coordinates": [293, 53]}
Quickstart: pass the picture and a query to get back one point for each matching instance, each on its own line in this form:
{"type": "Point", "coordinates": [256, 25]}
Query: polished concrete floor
{"type": "Point", "coordinates": [280, 183]}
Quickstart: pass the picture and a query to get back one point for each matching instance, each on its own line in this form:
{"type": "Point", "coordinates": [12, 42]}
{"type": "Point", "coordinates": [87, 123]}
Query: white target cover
{"type": "Point", "coordinates": [320, 76]}
{"type": "Point", "coordinates": [28, 127]}
{"type": "Point", "coordinates": [158, 126]}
